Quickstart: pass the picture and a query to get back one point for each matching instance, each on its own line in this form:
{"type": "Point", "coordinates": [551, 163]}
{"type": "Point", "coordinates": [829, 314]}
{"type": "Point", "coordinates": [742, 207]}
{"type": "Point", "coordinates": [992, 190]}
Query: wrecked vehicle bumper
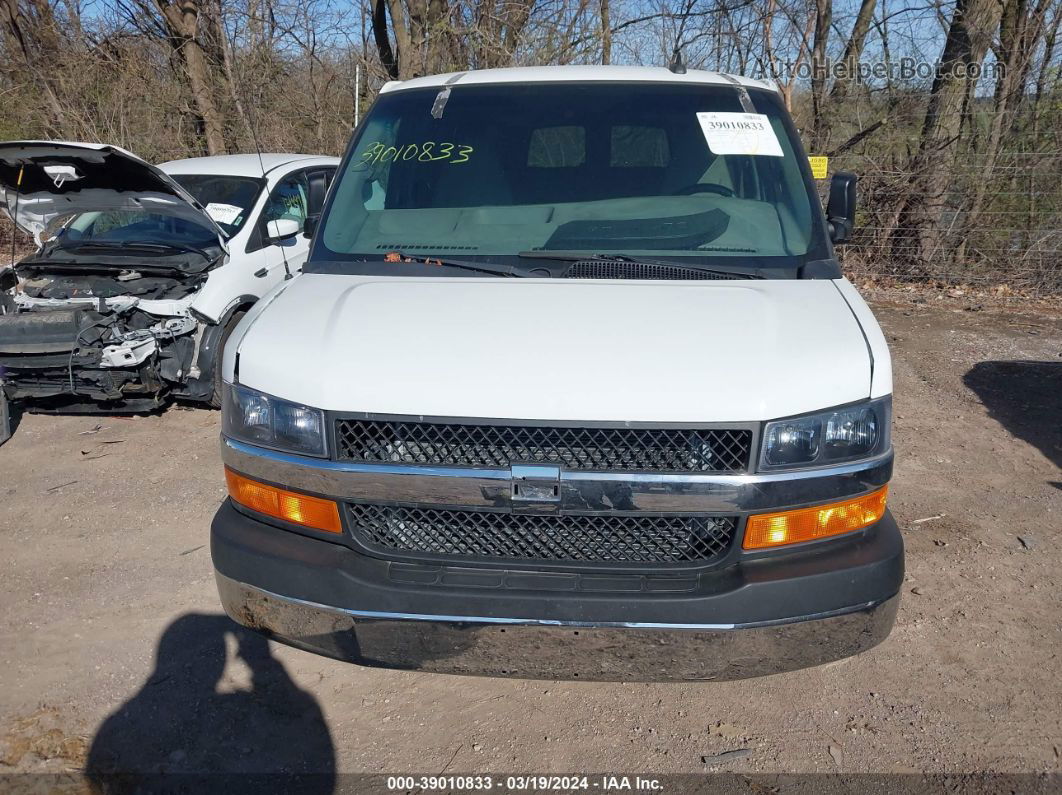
{"type": "Point", "coordinates": [100, 316]}
{"type": "Point", "coordinates": [97, 357]}
{"type": "Point", "coordinates": [810, 608]}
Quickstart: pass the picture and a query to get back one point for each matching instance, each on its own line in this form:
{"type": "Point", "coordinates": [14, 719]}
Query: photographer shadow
{"type": "Point", "coordinates": [179, 733]}
{"type": "Point", "coordinates": [1025, 397]}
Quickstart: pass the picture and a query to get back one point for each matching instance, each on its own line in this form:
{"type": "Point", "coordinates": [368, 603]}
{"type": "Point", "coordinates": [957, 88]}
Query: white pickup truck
{"type": "Point", "coordinates": [571, 385]}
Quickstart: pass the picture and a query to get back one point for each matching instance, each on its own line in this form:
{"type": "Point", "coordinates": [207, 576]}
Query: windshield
{"type": "Point", "coordinates": [125, 228]}
{"type": "Point", "coordinates": [638, 169]}
{"type": "Point", "coordinates": [228, 200]}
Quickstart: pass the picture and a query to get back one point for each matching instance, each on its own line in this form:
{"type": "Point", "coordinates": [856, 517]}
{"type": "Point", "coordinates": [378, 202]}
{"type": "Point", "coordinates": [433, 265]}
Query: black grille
{"type": "Point", "coordinates": [599, 449]}
{"type": "Point", "coordinates": [618, 269]}
{"type": "Point", "coordinates": [586, 539]}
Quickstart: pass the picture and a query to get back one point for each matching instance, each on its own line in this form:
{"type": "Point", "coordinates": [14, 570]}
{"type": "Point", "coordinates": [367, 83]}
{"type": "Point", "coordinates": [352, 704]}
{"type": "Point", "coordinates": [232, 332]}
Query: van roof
{"type": "Point", "coordinates": [568, 74]}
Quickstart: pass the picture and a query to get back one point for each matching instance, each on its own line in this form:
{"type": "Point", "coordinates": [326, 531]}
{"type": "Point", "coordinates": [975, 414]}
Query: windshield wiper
{"type": "Point", "coordinates": [99, 245]}
{"type": "Point", "coordinates": [496, 270]}
{"type": "Point", "coordinates": [166, 246]}
{"type": "Point", "coordinates": [582, 256]}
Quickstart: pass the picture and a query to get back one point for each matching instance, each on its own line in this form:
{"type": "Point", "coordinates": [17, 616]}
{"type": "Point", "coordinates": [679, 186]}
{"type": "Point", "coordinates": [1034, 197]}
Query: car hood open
{"type": "Point", "coordinates": [558, 349]}
{"type": "Point", "coordinates": [41, 180]}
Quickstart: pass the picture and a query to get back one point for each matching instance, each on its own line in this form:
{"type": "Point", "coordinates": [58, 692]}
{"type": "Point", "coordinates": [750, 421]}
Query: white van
{"type": "Point", "coordinates": [571, 386]}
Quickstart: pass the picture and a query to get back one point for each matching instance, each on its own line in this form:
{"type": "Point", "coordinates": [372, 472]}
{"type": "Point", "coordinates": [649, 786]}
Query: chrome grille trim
{"type": "Point", "coordinates": [470, 488]}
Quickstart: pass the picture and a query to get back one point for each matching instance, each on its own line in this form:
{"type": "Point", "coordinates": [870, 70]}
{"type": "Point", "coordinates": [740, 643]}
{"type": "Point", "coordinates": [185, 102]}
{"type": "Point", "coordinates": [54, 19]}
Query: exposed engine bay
{"type": "Point", "coordinates": [100, 317]}
{"type": "Point", "coordinates": [122, 340]}
{"type": "Point", "coordinates": [110, 285]}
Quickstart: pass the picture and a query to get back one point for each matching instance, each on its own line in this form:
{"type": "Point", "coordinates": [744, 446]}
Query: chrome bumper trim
{"type": "Point", "coordinates": [579, 491]}
{"type": "Point", "coordinates": [538, 649]}
{"type": "Point", "coordinates": [544, 622]}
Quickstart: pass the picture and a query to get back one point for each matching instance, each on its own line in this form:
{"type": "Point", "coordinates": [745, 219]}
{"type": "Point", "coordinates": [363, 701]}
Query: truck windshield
{"type": "Point", "coordinates": [488, 171]}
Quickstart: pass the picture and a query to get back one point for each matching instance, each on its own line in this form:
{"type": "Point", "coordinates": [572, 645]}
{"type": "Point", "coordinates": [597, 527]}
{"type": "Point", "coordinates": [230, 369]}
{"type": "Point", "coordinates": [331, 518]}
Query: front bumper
{"type": "Point", "coordinates": [765, 615]}
{"type": "Point", "coordinates": [78, 384]}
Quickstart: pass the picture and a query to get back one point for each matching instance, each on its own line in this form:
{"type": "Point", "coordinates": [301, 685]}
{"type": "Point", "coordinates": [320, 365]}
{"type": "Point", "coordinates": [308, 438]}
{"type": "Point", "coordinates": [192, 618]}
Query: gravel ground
{"type": "Point", "coordinates": [112, 642]}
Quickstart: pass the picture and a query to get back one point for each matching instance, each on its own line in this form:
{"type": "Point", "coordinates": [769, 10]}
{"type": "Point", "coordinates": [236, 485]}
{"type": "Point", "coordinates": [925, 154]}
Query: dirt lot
{"type": "Point", "coordinates": [109, 609]}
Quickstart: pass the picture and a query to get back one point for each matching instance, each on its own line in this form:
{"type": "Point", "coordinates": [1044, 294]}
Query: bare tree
{"type": "Point", "coordinates": [186, 21]}
{"type": "Point", "coordinates": [606, 33]}
{"type": "Point", "coordinates": [32, 47]}
{"type": "Point", "coordinates": [918, 233]}
{"type": "Point", "coordinates": [853, 48]}
{"type": "Point", "coordinates": [820, 40]}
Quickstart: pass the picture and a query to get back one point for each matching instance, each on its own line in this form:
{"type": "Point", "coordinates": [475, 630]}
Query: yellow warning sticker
{"type": "Point", "coordinates": [819, 166]}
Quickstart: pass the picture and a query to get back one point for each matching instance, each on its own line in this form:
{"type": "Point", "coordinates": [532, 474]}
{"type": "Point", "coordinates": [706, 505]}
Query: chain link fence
{"type": "Point", "coordinates": [1013, 240]}
{"type": "Point", "coordinates": [997, 222]}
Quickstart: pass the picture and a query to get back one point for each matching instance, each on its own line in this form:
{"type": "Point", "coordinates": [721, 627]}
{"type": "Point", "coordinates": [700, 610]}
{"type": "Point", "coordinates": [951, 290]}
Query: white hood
{"type": "Point", "coordinates": [41, 180]}
{"type": "Point", "coordinates": [552, 349]}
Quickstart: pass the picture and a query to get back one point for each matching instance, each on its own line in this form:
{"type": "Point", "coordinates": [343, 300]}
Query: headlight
{"type": "Point", "coordinates": [829, 437]}
{"type": "Point", "coordinates": [256, 418]}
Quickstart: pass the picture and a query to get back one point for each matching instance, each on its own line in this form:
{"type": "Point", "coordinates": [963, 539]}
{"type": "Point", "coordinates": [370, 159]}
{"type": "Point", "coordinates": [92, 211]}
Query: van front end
{"type": "Point", "coordinates": [571, 386]}
{"type": "Point", "coordinates": [450, 561]}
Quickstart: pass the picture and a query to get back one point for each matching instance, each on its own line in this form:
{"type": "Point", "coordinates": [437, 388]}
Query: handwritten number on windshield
{"type": "Point", "coordinates": [426, 152]}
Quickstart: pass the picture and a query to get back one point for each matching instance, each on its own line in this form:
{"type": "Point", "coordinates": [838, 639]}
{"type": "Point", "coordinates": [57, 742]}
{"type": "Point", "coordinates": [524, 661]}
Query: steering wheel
{"type": "Point", "coordinates": [704, 187]}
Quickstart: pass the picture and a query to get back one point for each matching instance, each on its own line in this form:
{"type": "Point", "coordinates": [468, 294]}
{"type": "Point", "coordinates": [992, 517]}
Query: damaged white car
{"type": "Point", "coordinates": [141, 271]}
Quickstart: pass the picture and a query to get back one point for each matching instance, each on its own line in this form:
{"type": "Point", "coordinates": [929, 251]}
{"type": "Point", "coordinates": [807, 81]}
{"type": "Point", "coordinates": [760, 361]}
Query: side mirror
{"type": "Point", "coordinates": [309, 226]}
{"type": "Point", "coordinates": [841, 206]}
{"type": "Point", "coordinates": [282, 229]}
{"type": "Point", "coordinates": [8, 279]}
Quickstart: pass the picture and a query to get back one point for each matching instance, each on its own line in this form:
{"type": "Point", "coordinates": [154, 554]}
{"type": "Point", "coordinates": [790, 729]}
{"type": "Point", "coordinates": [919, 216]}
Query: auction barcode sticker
{"type": "Point", "coordinates": [739, 134]}
{"type": "Point", "coordinates": [223, 213]}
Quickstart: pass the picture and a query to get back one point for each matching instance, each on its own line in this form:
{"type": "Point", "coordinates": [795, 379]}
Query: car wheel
{"type": "Point", "coordinates": [215, 397]}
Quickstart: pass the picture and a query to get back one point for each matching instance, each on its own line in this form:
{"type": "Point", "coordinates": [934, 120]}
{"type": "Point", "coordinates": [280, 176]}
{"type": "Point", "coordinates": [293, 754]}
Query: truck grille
{"type": "Point", "coordinates": [597, 449]}
{"type": "Point", "coordinates": [581, 538]}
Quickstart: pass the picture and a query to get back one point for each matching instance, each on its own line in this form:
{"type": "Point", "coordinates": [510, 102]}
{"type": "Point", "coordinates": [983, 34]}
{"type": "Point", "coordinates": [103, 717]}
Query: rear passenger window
{"type": "Point", "coordinates": [557, 147]}
{"type": "Point", "coordinates": [639, 147]}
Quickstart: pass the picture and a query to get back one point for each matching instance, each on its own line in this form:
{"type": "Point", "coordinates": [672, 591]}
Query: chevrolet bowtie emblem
{"type": "Point", "coordinates": [535, 488]}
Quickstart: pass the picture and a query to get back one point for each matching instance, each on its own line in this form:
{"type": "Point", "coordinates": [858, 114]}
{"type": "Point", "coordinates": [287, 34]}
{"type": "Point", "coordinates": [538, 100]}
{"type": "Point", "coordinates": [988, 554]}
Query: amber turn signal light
{"type": "Point", "coordinates": [767, 530]}
{"type": "Point", "coordinates": [301, 509]}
